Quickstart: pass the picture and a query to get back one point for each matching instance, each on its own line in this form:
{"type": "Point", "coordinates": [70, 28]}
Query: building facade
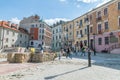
{"type": "Point", "coordinates": [80, 30]}
{"type": "Point", "coordinates": [40, 32]}
{"type": "Point", "coordinates": [12, 36]}
{"type": "Point", "coordinates": [104, 27]}
{"type": "Point", "coordinates": [57, 36]}
{"type": "Point", "coordinates": [68, 34]}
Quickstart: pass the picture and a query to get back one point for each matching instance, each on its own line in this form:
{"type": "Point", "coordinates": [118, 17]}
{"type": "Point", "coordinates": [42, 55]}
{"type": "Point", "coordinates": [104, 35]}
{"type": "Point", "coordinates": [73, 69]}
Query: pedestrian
{"type": "Point", "coordinates": [67, 52]}
{"type": "Point", "coordinates": [70, 53]}
{"type": "Point", "coordinates": [60, 54]}
{"type": "Point", "coordinates": [41, 49]}
{"type": "Point", "coordinates": [83, 51]}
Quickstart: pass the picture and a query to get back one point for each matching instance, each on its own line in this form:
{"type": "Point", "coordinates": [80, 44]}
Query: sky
{"type": "Point", "coordinates": [48, 10]}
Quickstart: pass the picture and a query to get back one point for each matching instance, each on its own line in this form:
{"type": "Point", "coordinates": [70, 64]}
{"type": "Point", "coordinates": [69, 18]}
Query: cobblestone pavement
{"type": "Point", "coordinates": [104, 67]}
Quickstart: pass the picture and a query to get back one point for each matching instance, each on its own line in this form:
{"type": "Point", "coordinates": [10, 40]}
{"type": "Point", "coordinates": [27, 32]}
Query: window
{"type": "Point", "coordinates": [56, 44]}
{"type": "Point", "coordinates": [40, 30]}
{"type": "Point", "coordinates": [53, 38]}
{"type": "Point", "coordinates": [42, 37]}
{"type": "Point", "coordinates": [21, 35]}
{"type": "Point", "coordinates": [99, 28]}
{"type": "Point", "coordinates": [106, 25]}
{"type": "Point", "coordinates": [59, 44]}
{"type": "Point", "coordinates": [85, 42]}
{"type": "Point", "coordinates": [80, 22]}
{"type": "Point", "coordinates": [81, 33]}
{"type": "Point", "coordinates": [85, 31]}
{"type": "Point", "coordinates": [99, 14]}
{"type": "Point", "coordinates": [105, 11]}
{"type": "Point", "coordinates": [99, 41]}
{"type": "Point", "coordinates": [106, 40]}
{"type": "Point", "coordinates": [32, 43]}
{"type": "Point", "coordinates": [39, 36]}
{"type": "Point", "coordinates": [53, 31]}
{"type": "Point", "coordinates": [56, 37]}
{"type": "Point", "coordinates": [64, 29]}
{"type": "Point", "coordinates": [60, 30]}
{"type": "Point", "coordinates": [118, 5]}
{"type": "Point", "coordinates": [40, 25]}
{"type": "Point", "coordinates": [77, 23]}
{"type": "Point", "coordinates": [20, 42]}
{"type": "Point", "coordinates": [90, 29]}
{"type": "Point", "coordinates": [77, 33]}
{"type": "Point", "coordinates": [56, 30]}
{"type": "Point", "coordinates": [32, 26]}
{"type": "Point", "coordinates": [43, 31]}
{"type": "Point", "coordinates": [59, 36]}
{"type": "Point", "coordinates": [36, 25]}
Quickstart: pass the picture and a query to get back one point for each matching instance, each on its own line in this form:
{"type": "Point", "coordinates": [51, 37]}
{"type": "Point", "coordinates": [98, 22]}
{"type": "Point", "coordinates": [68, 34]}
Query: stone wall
{"type": "Point", "coordinates": [22, 57]}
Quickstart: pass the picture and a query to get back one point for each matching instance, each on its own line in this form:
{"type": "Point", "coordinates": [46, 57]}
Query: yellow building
{"type": "Point", "coordinates": [68, 34]}
{"type": "Point", "coordinates": [80, 31]}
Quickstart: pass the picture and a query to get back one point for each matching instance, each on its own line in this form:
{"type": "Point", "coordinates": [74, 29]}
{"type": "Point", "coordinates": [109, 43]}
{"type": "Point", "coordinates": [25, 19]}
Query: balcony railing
{"type": "Point", "coordinates": [98, 19]}
{"type": "Point", "coordinates": [100, 32]}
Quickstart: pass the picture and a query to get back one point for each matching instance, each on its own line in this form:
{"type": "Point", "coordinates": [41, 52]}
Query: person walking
{"type": "Point", "coordinates": [70, 53]}
{"type": "Point", "coordinates": [60, 54]}
{"type": "Point", "coordinates": [83, 51]}
{"type": "Point", "coordinates": [67, 52]}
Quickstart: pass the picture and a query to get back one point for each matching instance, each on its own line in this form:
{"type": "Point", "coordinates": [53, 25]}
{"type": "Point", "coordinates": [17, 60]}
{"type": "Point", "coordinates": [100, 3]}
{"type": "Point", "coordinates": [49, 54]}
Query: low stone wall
{"type": "Point", "coordinates": [22, 57]}
{"type": "Point", "coordinates": [18, 57]}
{"type": "Point", "coordinates": [3, 55]}
{"type": "Point", "coordinates": [43, 57]}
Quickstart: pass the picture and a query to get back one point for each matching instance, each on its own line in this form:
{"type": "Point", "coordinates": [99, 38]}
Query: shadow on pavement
{"type": "Point", "coordinates": [103, 59]}
{"type": "Point", "coordinates": [51, 77]}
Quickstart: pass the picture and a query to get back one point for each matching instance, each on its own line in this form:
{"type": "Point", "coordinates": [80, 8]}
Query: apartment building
{"type": "Point", "coordinates": [68, 34]}
{"type": "Point", "coordinates": [40, 32]}
{"type": "Point", "coordinates": [80, 30]}
{"type": "Point", "coordinates": [106, 26]}
{"type": "Point", "coordinates": [12, 36]}
{"type": "Point", "coordinates": [57, 36]}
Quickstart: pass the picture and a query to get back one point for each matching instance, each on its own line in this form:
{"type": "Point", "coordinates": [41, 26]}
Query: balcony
{"type": "Point", "coordinates": [79, 36]}
{"type": "Point", "coordinates": [100, 32]}
{"type": "Point", "coordinates": [98, 19]}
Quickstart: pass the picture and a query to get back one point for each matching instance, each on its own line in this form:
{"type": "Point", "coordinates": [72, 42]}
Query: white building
{"type": "Point", "coordinates": [40, 32]}
{"type": "Point", "coordinates": [12, 36]}
{"type": "Point", "coordinates": [57, 36]}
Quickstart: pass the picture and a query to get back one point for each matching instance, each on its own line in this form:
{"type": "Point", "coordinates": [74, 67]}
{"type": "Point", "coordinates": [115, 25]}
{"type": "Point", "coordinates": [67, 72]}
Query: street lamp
{"type": "Point", "coordinates": [94, 44]}
{"type": "Point", "coordinates": [89, 53]}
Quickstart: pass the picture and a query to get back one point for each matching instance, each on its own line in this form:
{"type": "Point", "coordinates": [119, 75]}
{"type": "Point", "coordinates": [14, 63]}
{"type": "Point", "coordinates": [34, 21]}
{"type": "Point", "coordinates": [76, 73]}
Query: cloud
{"type": "Point", "coordinates": [15, 20]}
{"type": "Point", "coordinates": [87, 1]}
{"type": "Point", "coordinates": [52, 21]}
{"type": "Point", "coordinates": [103, 2]}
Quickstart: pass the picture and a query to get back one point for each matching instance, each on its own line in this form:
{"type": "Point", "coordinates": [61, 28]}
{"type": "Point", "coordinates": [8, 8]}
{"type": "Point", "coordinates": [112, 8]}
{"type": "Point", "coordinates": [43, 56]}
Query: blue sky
{"type": "Point", "coordinates": [49, 10]}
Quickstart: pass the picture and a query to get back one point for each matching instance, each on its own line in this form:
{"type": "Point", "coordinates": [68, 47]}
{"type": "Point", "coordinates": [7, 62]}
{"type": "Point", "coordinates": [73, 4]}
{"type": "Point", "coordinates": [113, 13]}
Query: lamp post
{"type": "Point", "coordinates": [94, 44]}
{"type": "Point", "coordinates": [89, 53]}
